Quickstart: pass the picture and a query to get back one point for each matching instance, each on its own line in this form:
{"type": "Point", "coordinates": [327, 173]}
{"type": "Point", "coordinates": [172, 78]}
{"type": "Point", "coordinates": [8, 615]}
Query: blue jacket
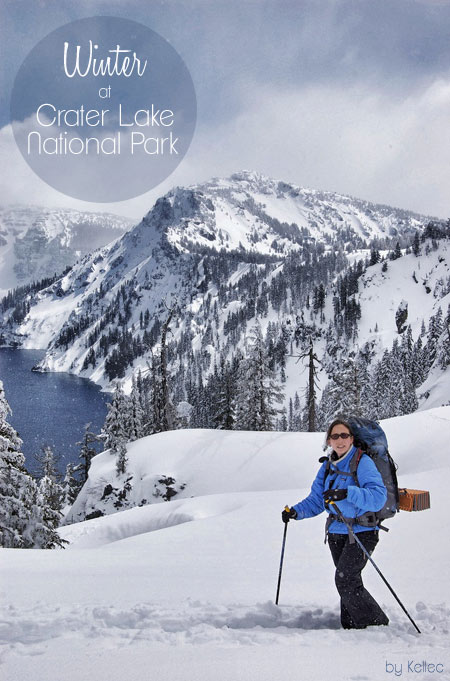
{"type": "Point", "coordinates": [371, 495]}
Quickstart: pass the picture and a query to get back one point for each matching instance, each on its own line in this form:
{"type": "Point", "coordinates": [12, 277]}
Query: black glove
{"type": "Point", "coordinates": [335, 494]}
{"type": "Point", "coordinates": [288, 514]}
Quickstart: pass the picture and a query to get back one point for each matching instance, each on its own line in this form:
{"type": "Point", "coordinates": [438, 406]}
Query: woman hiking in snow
{"type": "Point", "coordinates": [335, 483]}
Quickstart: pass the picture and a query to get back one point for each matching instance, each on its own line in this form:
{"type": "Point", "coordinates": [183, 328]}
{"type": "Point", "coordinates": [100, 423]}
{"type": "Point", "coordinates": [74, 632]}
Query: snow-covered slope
{"type": "Point", "coordinates": [36, 243]}
{"type": "Point", "coordinates": [421, 285]}
{"type": "Point", "coordinates": [185, 589]}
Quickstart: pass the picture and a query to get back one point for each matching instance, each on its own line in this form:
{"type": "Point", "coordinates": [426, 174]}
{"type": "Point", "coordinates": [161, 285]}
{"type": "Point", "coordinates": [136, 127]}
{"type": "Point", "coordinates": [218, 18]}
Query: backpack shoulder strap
{"type": "Point", "coordinates": [354, 463]}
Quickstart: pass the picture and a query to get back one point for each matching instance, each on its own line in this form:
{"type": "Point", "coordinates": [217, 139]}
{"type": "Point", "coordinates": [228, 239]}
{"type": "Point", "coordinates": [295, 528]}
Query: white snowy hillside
{"type": "Point", "coordinates": [36, 243]}
{"type": "Point", "coordinates": [357, 280]}
{"type": "Point", "coordinates": [185, 589]}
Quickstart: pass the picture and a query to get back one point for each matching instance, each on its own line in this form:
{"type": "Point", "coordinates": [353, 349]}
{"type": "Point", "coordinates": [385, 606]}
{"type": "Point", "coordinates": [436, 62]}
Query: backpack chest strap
{"type": "Point", "coordinates": [353, 469]}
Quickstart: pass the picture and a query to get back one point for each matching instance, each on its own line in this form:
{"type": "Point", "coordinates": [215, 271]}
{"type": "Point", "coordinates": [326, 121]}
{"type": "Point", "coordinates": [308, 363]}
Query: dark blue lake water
{"type": "Point", "coordinates": [49, 409]}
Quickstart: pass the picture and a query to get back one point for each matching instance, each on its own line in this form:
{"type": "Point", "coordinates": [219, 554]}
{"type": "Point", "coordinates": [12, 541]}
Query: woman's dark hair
{"type": "Point", "coordinates": [338, 422]}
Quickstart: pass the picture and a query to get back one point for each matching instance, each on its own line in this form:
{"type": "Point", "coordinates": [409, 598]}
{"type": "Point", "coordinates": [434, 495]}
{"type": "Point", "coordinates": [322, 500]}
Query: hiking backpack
{"type": "Point", "coordinates": [370, 439]}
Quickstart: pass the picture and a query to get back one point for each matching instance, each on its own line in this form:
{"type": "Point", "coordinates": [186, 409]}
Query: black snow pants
{"type": "Point", "coordinates": [358, 608]}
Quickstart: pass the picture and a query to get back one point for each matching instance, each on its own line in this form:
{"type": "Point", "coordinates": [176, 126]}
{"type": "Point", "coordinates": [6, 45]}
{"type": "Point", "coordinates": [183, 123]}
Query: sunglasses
{"type": "Point", "coordinates": [344, 436]}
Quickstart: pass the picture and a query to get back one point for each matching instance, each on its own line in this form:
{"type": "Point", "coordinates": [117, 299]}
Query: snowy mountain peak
{"type": "Point", "coordinates": [231, 252]}
{"type": "Point", "coordinates": [251, 212]}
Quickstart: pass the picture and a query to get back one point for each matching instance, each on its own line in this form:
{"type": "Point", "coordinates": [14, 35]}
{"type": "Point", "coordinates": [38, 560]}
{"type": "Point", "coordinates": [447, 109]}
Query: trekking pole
{"type": "Point", "coordinates": [354, 535]}
{"type": "Point", "coordinates": [286, 508]}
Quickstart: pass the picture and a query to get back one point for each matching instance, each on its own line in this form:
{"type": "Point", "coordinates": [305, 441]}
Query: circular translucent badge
{"type": "Point", "coordinates": [103, 109]}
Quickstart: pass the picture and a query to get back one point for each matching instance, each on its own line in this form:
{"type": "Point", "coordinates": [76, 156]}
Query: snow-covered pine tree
{"type": "Point", "coordinates": [121, 459]}
{"type": "Point", "coordinates": [374, 257]}
{"type": "Point", "coordinates": [290, 415]}
{"type": "Point", "coordinates": [48, 516]}
{"type": "Point", "coordinates": [418, 365]}
{"type": "Point", "coordinates": [297, 417]}
{"type": "Point", "coordinates": [17, 488]}
{"type": "Point", "coordinates": [406, 350]}
{"type": "Point", "coordinates": [443, 355]}
{"type": "Point", "coordinates": [115, 428]}
{"type": "Point", "coordinates": [47, 463]}
{"type": "Point", "coordinates": [386, 386]}
{"type": "Point", "coordinates": [87, 452]}
{"type": "Point", "coordinates": [434, 332]}
{"type": "Point", "coordinates": [198, 398]}
{"type": "Point", "coordinates": [224, 416]}
{"type": "Point", "coordinates": [396, 253]}
{"type": "Point", "coordinates": [71, 486]}
{"type": "Point", "coordinates": [48, 502]}
{"type": "Point", "coordinates": [257, 388]}
{"type": "Point", "coordinates": [25, 519]}
{"type": "Point", "coordinates": [282, 422]}
{"type": "Point", "coordinates": [408, 397]}
{"type": "Point", "coordinates": [346, 392]}
{"type": "Point", "coordinates": [135, 415]}
{"type": "Point", "coordinates": [143, 389]}
{"type": "Point", "coordinates": [326, 407]}
{"type": "Point", "coordinates": [319, 295]}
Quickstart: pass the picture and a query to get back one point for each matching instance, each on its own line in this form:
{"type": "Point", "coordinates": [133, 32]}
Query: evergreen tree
{"type": "Point", "coordinates": [319, 299]}
{"type": "Point", "coordinates": [282, 422]}
{"type": "Point", "coordinates": [418, 366]}
{"type": "Point", "coordinates": [297, 415]}
{"type": "Point", "coordinates": [408, 397]}
{"type": "Point", "coordinates": [224, 415]}
{"type": "Point", "coordinates": [257, 389]}
{"type": "Point", "coordinates": [386, 387]}
{"type": "Point", "coordinates": [17, 488]}
{"type": "Point", "coordinates": [71, 486]}
{"type": "Point", "coordinates": [434, 332]}
{"type": "Point", "coordinates": [26, 520]}
{"type": "Point", "coordinates": [396, 253]}
{"type": "Point", "coordinates": [115, 428]}
{"type": "Point", "coordinates": [444, 343]}
{"type": "Point", "coordinates": [135, 414]}
{"type": "Point", "coordinates": [416, 244]}
{"type": "Point", "coordinates": [47, 464]}
{"type": "Point", "coordinates": [87, 453]}
{"type": "Point", "coordinates": [121, 459]}
{"type": "Point", "coordinates": [144, 388]}
{"type": "Point", "coordinates": [49, 504]}
{"type": "Point", "coordinates": [347, 391]}
{"type": "Point", "coordinates": [374, 257]}
{"type": "Point", "coordinates": [49, 501]}
{"type": "Point", "coordinates": [291, 415]}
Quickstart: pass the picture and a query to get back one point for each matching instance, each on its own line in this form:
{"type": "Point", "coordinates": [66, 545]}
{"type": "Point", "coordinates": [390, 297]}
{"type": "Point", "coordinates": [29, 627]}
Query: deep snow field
{"type": "Point", "coordinates": [184, 590]}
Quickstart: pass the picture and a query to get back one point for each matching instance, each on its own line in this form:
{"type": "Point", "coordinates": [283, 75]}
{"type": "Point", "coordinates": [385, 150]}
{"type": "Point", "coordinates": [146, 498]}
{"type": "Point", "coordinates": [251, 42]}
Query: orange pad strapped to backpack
{"type": "Point", "coordinates": [413, 499]}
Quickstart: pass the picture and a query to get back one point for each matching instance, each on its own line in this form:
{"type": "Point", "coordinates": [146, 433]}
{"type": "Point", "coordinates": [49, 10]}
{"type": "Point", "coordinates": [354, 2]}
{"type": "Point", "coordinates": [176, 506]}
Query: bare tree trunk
{"type": "Point", "coordinates": [311, 393]}
{"type": "Point", "coordinates": [166, 410]}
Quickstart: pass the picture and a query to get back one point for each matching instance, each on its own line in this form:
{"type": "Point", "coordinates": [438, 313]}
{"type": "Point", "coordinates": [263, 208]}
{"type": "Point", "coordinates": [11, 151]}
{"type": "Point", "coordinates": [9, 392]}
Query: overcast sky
{"type": "Point", "coordinates": [346, 95]}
